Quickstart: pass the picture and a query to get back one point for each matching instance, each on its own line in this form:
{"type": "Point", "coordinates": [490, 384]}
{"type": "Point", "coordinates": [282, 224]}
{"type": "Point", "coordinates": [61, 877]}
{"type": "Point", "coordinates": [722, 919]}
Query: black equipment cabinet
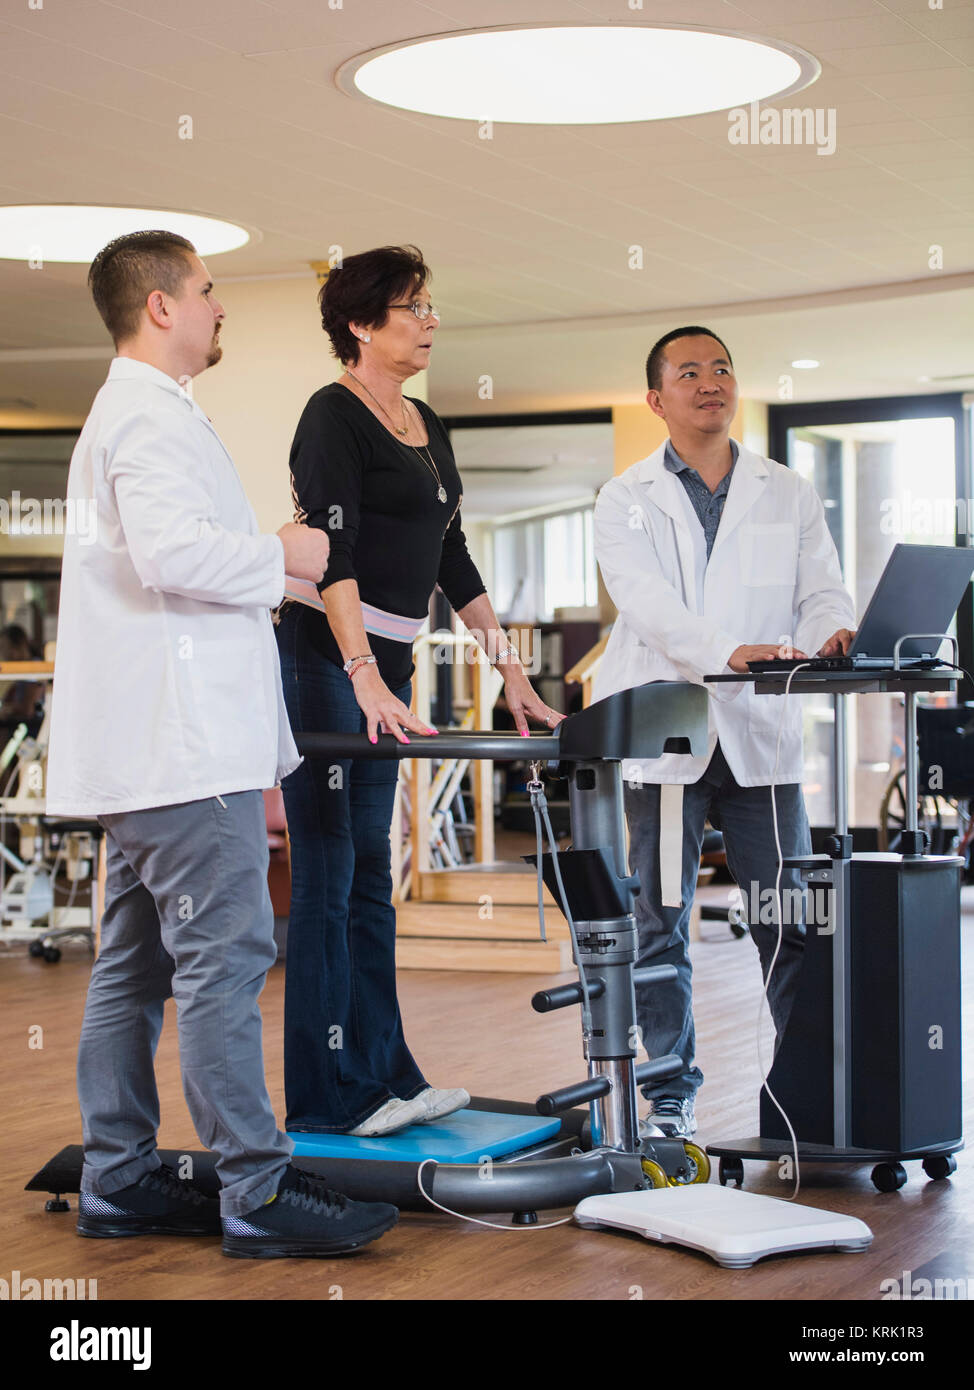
{"type": "Point", "coordinates": [906, 1010]}
{"type": "Point", "coordinates": [903, 1072]}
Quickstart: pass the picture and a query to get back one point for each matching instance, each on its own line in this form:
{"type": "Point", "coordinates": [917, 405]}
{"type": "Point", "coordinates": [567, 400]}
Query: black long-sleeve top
{"type": "Point", "coordinates": [376, 499]}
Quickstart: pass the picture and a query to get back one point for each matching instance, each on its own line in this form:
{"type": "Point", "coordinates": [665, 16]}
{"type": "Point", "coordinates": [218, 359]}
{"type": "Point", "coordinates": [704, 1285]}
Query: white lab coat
{"type": "Point", "coordinates": [773, 575]}
{"type": "Point", "coordinates": [167, 684]}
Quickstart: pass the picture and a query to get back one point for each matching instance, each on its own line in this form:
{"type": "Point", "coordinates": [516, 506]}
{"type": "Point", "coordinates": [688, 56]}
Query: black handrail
{"type": "Point", "coordinates": [451, 743]}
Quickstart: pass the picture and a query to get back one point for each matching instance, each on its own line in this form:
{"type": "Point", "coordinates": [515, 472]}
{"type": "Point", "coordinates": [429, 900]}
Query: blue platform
{"type": "Point", "coordinates": [466, 1136]}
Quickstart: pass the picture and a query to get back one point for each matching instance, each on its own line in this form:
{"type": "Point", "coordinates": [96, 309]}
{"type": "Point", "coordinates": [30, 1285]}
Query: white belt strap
{"type": "Point", "coordinates": [375, 620]}
{"type": "Point", "coordinates": [671, 843]}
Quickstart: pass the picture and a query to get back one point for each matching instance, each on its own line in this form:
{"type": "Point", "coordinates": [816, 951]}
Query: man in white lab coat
{"type": "Point", "coordinates": [167, 721]}
{"type": "Point", "coordinates": [714, 556]}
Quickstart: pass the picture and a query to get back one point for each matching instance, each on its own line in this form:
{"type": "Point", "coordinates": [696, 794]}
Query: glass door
{"type": "Point", "coordinates": [886, 474]}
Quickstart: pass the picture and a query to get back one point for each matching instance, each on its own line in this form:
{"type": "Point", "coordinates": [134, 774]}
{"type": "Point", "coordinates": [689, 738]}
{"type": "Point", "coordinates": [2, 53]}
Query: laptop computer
{"type": "Point", "coordinates": [919, 591]}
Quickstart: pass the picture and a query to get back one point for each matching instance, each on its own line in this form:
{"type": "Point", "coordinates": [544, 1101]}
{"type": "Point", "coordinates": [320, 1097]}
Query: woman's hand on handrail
{"type": "Point", "coordinates": [382, 710]}
{"type": "Point", "coordinates": [523, 701]}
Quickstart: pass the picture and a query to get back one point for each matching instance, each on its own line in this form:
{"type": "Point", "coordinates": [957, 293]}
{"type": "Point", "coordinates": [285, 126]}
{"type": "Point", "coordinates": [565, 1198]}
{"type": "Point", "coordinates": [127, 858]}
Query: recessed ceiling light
{"type": "Point", "coordinates": [558, 74]}
{"type": "Point", "coordinates": [69, 233]}
{"type": "Point", "coordinates": [805, 363]}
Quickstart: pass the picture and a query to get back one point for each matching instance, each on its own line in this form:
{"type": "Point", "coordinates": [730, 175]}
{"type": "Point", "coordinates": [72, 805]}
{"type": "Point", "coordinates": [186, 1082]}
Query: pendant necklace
{"type": "Point", "coordinates": [441, 493]}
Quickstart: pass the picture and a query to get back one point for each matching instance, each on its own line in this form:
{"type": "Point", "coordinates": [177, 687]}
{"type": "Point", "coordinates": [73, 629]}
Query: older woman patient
{"type": "Point", "coordinates": [375, 469]}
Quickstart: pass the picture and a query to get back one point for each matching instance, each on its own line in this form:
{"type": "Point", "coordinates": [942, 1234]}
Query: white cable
{"type": "Point", "coordinates": [494, 1225]}
{"type": "Point", "coordinates": [777, 892]}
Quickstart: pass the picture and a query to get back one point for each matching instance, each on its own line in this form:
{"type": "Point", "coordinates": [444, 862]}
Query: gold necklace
{"type": "Point", "coordinates": [401, 432]}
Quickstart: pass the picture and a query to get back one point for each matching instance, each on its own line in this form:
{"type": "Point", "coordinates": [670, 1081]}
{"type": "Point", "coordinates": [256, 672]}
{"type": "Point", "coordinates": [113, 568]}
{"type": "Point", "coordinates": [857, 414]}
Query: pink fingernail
{"type": "Point", "coordinates": [524, 733]}
{"type": "Point", "coordinates": [432, 731]}
{"type": "Point", "coordinates": [373, 739]}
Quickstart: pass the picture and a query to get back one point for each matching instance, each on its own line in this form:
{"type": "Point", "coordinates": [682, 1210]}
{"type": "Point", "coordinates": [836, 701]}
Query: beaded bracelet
{"type": "Point", "coordinates": [356, 663]}
{"type": "Point", "coordinates": [352, 660]}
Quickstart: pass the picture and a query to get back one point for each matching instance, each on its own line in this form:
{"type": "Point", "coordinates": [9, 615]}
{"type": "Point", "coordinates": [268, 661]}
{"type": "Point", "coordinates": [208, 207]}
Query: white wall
{"type": "Point", "coordinates": [275, 355]}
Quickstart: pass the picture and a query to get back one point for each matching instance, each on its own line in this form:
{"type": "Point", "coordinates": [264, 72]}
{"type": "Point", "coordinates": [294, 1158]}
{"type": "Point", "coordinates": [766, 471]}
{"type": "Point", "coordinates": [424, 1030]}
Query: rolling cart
{"type": "Point", "coordinates": [869, 1067]}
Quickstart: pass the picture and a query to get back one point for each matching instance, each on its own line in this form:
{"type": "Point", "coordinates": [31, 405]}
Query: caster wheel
{"type": "Point", "coordinates": [36, 949]}
{"type": "Point", "coordinates": [655, 1173]}
{"type": "Point", "coordinates": [889, 1177]}
{"type": "Point", "coordinates": [56, 1204]}
{"type": "Point", "coordinates": [699, 1163]}
{"type": "Point", "coordinates": [939, 1166]}
{"type": "Point", "coordinates": [730, 1170]}
{"type": "Point", "coordinates": [737, 924]}
{"type": "Point", "coordinates": [52, 954]}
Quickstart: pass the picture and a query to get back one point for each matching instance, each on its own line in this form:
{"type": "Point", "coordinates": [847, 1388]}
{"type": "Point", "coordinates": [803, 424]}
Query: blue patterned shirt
{"type": "Point", "coordinates": [709, 506]}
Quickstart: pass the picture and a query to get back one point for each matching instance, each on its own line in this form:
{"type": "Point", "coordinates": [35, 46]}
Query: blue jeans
{"type": "Point", "coordinates": [664, 1012]}
{"type": "Point", "coordinates": [344, 1050]}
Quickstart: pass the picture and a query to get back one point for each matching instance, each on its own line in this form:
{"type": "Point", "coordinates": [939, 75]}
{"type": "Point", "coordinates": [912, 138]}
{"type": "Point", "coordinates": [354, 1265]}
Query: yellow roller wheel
{"type": "Point", "coordinates": [700, 1158]}
{"type": "Point", "coordinates": [654, 1172]}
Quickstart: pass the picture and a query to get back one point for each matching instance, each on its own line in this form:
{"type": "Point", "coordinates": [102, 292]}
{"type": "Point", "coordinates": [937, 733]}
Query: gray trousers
{"type": "Point", "coordinates": [187, 916]}
{"type": "Point", "coordinates": [664, 1012]}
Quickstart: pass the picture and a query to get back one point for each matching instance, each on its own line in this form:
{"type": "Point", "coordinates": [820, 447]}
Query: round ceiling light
{"type": "Point", "coordinates": [556, 74]}
{"type": "Point", "coordinates": [75, 234]}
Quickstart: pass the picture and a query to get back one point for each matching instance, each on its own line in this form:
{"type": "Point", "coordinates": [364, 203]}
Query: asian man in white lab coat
{"type": "Point", "coordinates": [168, 720]}
{"type": "Point", "coordinates": [713, 556]}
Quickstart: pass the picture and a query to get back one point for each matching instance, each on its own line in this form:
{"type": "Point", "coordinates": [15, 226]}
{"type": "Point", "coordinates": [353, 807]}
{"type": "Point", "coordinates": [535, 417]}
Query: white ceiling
{"type": "Point", "coordinates": [786, 252]}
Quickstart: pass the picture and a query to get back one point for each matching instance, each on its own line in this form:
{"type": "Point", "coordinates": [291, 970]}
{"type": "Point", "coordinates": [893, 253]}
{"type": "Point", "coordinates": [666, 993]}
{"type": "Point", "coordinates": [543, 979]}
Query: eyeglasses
{"type": "Point", "coordinates": [422, 311]}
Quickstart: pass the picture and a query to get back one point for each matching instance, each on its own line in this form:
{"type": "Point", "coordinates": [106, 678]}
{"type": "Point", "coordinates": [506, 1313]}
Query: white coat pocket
{"type": "Point", "coordinates": [769, 554]}
{"type": "Point", "coordinates": [227, 683]}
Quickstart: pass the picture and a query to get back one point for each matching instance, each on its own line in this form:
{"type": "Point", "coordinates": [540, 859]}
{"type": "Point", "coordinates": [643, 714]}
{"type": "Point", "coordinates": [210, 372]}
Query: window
{"type": "Point", "coordinates": [887, 471]}
{"type": "Point", "coordinates": [544, 563]}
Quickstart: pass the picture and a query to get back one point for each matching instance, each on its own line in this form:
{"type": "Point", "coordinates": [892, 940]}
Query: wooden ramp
{"type": "Point", "coordinates": [481, 917]}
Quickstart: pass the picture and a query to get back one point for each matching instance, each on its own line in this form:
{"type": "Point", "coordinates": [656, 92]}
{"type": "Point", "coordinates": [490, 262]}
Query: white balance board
{"type": "Point", "coordinates": [735, 1228]}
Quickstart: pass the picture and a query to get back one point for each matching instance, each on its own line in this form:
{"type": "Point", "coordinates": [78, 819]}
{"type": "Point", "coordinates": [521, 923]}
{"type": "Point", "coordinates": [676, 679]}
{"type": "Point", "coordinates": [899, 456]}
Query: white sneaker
{"type": "Point", "coordinates": [671, 1117]}
{"type": "Point", "coordinates": [396, 1114]}
{"type": "Point", "coordinates": [440, 1103]}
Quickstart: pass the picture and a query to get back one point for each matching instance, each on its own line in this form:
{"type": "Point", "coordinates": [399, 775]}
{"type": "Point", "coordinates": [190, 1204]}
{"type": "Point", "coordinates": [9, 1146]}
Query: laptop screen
{"type": "Point", "coordinates": [919, 591]}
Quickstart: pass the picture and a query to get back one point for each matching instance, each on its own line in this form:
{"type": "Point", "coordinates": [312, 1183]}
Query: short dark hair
{"type": "Point", "coordinates": [654, 362]}
{"type": "Point", "coordinates": [128, 269]}
{"type": "Point", "coordinates": [362, 287]}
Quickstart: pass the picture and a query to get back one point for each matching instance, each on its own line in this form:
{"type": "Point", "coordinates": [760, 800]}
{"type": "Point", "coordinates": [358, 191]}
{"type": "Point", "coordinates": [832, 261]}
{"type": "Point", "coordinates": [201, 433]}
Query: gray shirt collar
{"type": "Point", "coordinates": [674, 464]}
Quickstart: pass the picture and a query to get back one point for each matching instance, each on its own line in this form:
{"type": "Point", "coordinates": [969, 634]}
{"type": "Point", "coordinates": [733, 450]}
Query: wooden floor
{"type": "Point", "coordinates": [480, 1032]}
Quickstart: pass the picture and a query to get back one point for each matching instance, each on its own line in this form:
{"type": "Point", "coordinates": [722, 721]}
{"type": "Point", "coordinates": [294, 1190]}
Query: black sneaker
{"type": "Point", "coordinates": [159, 1204]}
{"type": "Point", "coordinates": [305, 1219]}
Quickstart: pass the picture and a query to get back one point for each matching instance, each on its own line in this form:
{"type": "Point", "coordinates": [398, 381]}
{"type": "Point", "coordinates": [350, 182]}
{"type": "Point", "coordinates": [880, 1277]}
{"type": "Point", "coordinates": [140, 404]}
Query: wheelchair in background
{"type": "Point", "coordinates": [945, 782]}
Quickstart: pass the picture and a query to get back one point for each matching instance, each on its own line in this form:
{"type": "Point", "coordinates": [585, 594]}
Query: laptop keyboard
{"type": "Point", "coordinates": [810, 663]}
{"type": "Point", "coordinates": [841, 663]}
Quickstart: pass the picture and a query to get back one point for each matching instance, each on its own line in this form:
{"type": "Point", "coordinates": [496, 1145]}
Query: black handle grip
{"type": "Point", "coordinates": [568, 1096]}
{"type": "Point", "coordinates": [562, 996]}
{"type": "Point", "coordinates": [659, 1069]}
{"type": "Point", "coordinates": [653, 974]}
